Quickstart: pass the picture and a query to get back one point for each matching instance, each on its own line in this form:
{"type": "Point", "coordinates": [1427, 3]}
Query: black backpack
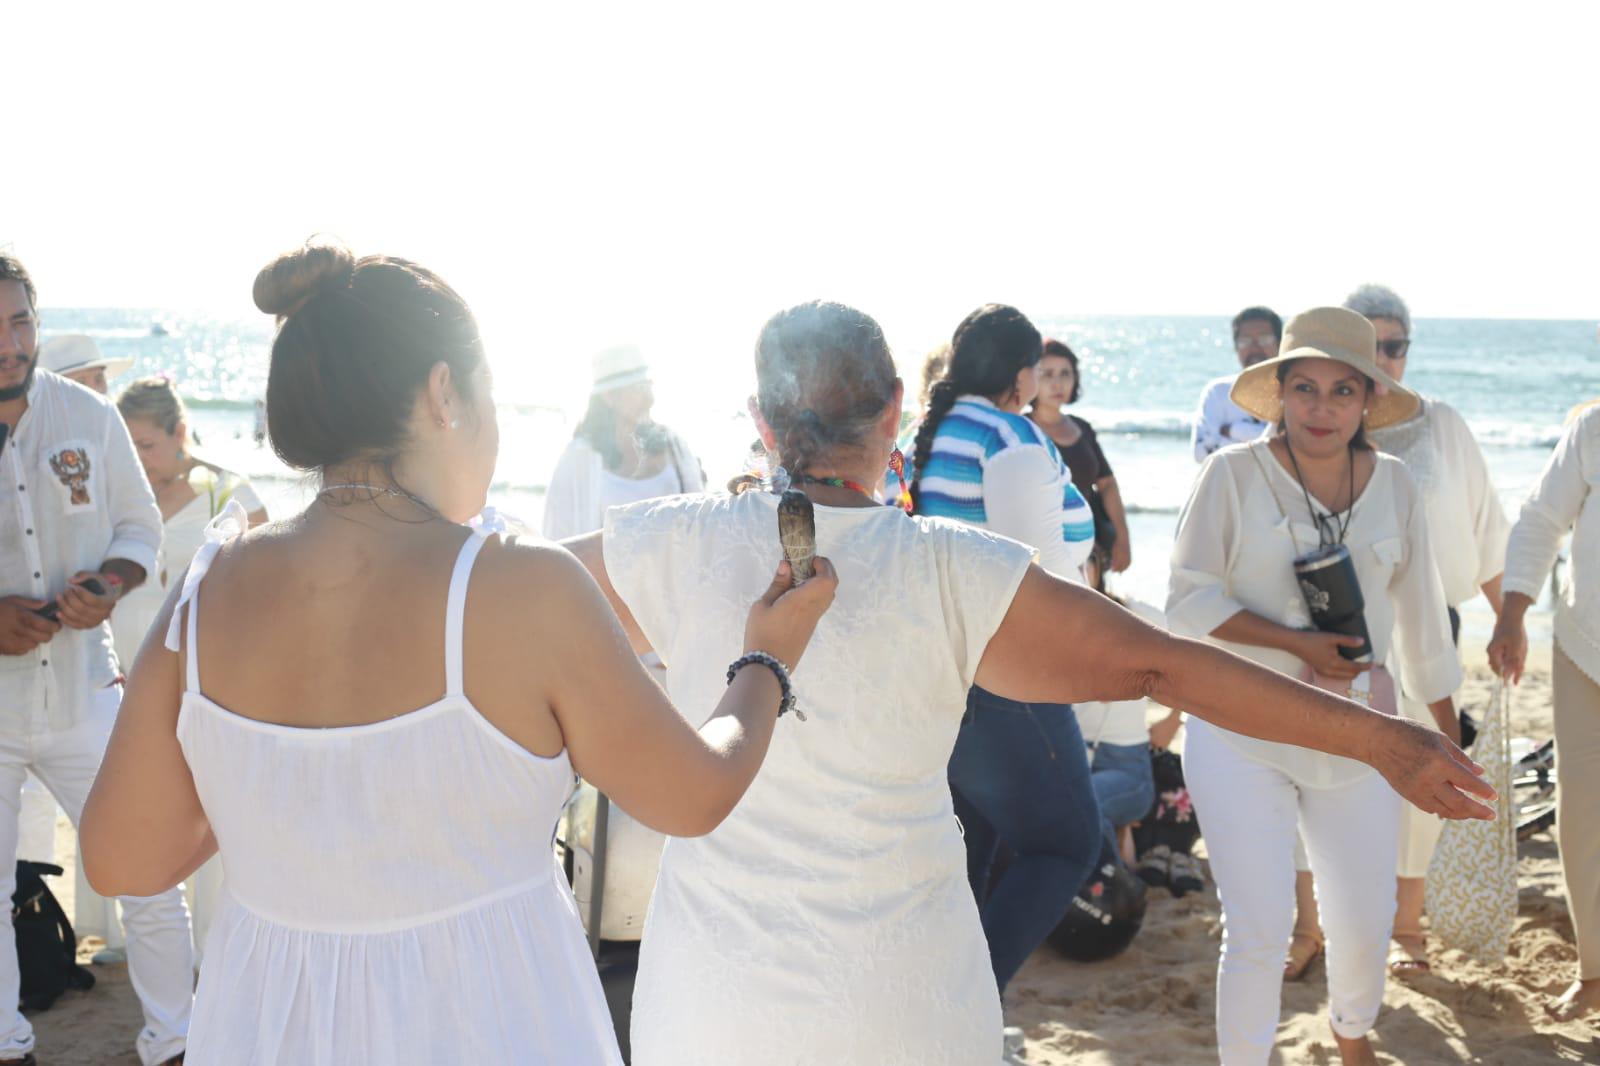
{"type": "Point", "coordinates": [47, 948]}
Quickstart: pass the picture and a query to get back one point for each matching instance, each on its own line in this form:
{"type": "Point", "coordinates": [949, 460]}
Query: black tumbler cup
{"type": "Point", "coordinates": [1328, 581]}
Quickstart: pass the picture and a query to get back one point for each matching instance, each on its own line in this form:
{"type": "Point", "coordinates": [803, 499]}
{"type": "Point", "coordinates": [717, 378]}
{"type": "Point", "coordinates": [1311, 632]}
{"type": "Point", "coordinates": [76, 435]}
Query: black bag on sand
{"type": "Point", "coordinates": [47, 948]}
{"type": "Point", "coordinates": [1105, 915]}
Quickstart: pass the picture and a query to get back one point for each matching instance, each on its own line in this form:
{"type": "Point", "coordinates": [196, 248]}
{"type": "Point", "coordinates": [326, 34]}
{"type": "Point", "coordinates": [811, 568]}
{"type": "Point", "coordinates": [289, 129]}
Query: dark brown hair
{"type": "Point", "coordinates": [823, 378]}
{"type": "Point", "coordinates": [989, 348]}
{"type": "Point", "coordinates": [11, 269]}
{"type": "Point", "coordinates": [356, 339]}
{"type": "Point", "coordinates": [1060, 350]}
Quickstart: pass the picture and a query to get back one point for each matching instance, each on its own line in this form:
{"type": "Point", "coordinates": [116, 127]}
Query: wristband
{"type": "Point", "coordinates": [780, 671]}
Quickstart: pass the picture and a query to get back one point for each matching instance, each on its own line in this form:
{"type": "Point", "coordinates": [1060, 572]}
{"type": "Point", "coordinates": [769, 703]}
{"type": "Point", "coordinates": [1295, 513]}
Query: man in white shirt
{"type": "Point", "coordinates": [1220, 421]}
{"type": "Point", "coordinates": [78, 527]}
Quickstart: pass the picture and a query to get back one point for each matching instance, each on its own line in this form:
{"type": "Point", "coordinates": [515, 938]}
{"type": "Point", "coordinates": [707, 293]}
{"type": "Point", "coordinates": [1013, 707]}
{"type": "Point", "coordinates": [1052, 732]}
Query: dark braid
{"type": "Point", "coordinates": [941, 398]}
{"type": "Point", "coordinates": [990, 348]}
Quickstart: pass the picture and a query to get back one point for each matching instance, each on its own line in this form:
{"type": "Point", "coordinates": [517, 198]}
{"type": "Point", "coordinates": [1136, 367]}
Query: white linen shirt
{"type": "Point", "coordinates": [1221, 422]}
{"type": "Point", "coordinates": [1567, 497]}
{"type": "Point", "coordinates": [1466, 525]}
{"type": "Point", "coordinates": [1237, 540]}
{"type": "Point", "coordinates": [72, 495]}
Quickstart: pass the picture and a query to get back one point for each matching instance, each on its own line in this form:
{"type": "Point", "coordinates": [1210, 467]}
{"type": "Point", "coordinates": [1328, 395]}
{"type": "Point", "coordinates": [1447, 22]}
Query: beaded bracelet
{"type": "Point", "coordinates": [780, 671]}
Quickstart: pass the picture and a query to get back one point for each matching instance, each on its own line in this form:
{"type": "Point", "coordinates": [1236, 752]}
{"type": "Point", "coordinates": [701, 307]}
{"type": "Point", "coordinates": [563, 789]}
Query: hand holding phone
{"type": "Point", "coordinates": [52, 611]}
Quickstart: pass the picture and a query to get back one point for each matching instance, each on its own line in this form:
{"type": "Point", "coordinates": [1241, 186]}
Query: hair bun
{"type": "Point", "coordinates": [285, 285]}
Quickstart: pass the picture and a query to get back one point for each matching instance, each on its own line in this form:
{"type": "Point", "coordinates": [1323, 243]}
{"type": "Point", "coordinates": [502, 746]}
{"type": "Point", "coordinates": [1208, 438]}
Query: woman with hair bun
{"type": "Point", "coordinates": [374, 713]}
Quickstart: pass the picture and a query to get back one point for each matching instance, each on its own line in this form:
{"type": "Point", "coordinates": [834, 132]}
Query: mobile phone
{"type": "Point", "coordinates": [51, 611]}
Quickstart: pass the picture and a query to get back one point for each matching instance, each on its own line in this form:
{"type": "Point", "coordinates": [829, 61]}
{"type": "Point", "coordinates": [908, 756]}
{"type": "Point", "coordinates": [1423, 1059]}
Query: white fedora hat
{"type": "Point", "coordinates": [71, 352]}
{"type": "Point", "coordinates": [617, 368]}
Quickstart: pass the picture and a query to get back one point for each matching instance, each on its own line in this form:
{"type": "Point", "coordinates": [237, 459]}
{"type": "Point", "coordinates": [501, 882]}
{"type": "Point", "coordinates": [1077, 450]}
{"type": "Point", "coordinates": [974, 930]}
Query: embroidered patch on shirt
{"type": "Point", "coordinates": [71, 466]}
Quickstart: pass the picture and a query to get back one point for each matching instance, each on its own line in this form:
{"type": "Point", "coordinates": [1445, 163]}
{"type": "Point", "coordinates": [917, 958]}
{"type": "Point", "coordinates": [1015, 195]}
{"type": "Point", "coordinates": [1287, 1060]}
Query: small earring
{"type": "Point", "coordinates": [455, 423]}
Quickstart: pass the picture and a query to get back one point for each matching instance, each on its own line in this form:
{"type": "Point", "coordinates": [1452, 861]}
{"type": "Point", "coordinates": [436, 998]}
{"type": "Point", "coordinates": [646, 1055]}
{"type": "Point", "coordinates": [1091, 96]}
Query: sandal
{"type": "Point", "coordinates": [1300, 960]}
{"type": "Point", "coordinates": [1185, 875]}
{"type": "Point", "coordinates": [1404, 958]}
{"type": "Point", "coordinates": [1155, 866]}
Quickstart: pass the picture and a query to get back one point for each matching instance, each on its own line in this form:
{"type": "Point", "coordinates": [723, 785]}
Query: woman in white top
{"type": "Point", "coordinates": [1567, 498]}
{"type": "Point", "coordinates": [1468, 530]}
{"type": "Point", "coordinates": [373, 713]}
{"type": "Point", "coordinates": [1253, 511]}
{"type": "Point", "coordinates": [617, 455]}
{"type": "Point", "coordinates": [190, 492]}
{"type": "Point", "coordinates": [828, 920]}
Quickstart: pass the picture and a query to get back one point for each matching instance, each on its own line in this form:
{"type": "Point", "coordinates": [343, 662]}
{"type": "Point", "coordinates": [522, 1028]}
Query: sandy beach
{"type": "Point", "coordinates": [1154, 1003]}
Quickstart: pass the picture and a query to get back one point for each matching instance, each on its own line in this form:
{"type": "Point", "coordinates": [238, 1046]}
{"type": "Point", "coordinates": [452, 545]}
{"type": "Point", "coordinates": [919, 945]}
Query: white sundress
{"type": "Point", "coordinates": [828, 919]}
{"type": "Point", "coordinates": [391, 896]}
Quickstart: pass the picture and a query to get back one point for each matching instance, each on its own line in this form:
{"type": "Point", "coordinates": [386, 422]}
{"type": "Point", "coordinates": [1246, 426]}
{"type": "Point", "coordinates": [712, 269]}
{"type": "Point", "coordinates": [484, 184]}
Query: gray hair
{"type": "Point", "coordinates": [1380, 301]}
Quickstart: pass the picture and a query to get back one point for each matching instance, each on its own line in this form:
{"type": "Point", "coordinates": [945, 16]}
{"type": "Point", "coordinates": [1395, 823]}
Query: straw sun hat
{"type": "Point", "coordinates": [1326, 333]}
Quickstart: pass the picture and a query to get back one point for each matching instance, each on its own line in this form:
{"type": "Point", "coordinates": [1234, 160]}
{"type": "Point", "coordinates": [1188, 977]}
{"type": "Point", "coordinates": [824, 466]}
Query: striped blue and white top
{"type": "Point", "coordinates": [999, 470]}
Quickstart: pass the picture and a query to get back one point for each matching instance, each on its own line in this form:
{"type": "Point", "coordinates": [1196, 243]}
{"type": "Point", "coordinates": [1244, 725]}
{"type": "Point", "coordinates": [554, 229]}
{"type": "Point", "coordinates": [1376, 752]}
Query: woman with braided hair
{"type": "Point", "coordinates": [1019, 774]}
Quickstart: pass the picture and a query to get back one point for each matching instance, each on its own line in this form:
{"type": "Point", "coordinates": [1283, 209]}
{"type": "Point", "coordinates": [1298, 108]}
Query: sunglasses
{"type": "Point", "coordinates": [1395, 349]}
{"type": "Point", "coordinates": [1265, 341]}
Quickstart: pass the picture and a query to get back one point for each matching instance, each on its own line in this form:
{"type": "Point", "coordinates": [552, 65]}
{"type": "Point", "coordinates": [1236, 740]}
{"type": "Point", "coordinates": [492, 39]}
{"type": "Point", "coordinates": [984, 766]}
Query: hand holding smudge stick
{"type": "Point", "coordinates": [797, 532]}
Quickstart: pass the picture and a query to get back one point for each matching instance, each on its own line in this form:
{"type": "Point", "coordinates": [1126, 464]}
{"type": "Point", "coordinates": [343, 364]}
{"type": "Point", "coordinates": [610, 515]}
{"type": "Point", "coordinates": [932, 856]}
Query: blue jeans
{"type": "Point", "coordinates": [1019, 775]}
{"type": "Point", "coordinates": [1123, 784]}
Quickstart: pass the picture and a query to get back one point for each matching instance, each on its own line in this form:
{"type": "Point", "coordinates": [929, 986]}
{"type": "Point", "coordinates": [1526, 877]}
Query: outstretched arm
{"type": "Point", "coordinates": [1062, 643]}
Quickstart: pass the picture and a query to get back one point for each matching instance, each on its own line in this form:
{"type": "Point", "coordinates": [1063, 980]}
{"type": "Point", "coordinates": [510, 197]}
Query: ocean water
{"type": "Point", "coordinates": [1514, 381]}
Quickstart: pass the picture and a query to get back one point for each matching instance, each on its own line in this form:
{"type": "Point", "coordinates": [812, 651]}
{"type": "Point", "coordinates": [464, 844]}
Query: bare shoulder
{"type": "Point", "coordinates": [528, 581]}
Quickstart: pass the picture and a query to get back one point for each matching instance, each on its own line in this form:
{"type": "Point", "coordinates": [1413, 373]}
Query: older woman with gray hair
{"type": "Point", "coordinates": [1468, 530]}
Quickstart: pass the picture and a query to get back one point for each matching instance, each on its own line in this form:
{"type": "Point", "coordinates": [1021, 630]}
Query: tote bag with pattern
{"type": "Point", "coordinates": [1471, 890]}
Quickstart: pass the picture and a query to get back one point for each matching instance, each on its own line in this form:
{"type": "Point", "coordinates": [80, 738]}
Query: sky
{"type": "Point", "coordinates": [587, 173]}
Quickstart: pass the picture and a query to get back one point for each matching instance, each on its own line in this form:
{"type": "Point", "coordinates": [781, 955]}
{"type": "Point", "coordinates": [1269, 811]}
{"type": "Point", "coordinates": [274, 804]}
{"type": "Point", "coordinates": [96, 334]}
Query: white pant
{"type": "Point", "coordinates": [36, 832]}
{"type": "Point", "coordinates": [160, 956]}
{"type": "Point", "coordinates": [1249, 812]}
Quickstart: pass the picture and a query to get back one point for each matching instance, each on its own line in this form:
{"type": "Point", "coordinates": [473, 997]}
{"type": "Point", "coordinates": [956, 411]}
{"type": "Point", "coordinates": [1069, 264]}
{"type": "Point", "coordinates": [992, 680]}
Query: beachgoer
{"type": "Point", "coordinates": [1567, 498]}
{"type": "Point", "coordinates": [1220, 421]}
{"type": "Point", "coordinates": [828, 919]}
{"type": "Point", "coordinates": [1468, 529]}
{"type": "Point", "coordinates": [76, 514]}
{"type": "Point", "coordinates": [1314, 483]}
{"type": "Point", "coordinates": [617, 455]}
{"type": "Point", "coordinates": [1119, 738]}
{"type": "Point", "coordinates": [77, 356]}
{"type": "Point", "coordinates": [1061, 386]}
{"type": "Point", "coordinates": [391, 894]}
{"type": "Point", "coordinates": [1020, 771]}
{"type": "Point", "coordinates": [190, 491]}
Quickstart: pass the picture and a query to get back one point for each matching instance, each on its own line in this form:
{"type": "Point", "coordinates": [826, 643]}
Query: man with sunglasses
{"type": "Point", "coordinates": [1220, 421]}
{"type": "Point", "coordinates": [78, 526]}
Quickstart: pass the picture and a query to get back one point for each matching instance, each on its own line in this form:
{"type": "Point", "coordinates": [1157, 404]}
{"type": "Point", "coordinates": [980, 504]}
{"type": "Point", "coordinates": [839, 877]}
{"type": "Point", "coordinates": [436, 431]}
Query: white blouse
{"type": "Point", "coordinates": [1235, 549]}
{"type": "Point", "coordinates": [1567, 497]}
{"type": "Point", "coordinates": [1466, 523]}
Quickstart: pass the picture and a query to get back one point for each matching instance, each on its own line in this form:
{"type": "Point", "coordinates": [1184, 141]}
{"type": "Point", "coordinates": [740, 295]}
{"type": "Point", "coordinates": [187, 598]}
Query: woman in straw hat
{"type": "Point", "coordinates": [1255, 510]}
{"type": "Point", "coordinates": [617, 454]}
